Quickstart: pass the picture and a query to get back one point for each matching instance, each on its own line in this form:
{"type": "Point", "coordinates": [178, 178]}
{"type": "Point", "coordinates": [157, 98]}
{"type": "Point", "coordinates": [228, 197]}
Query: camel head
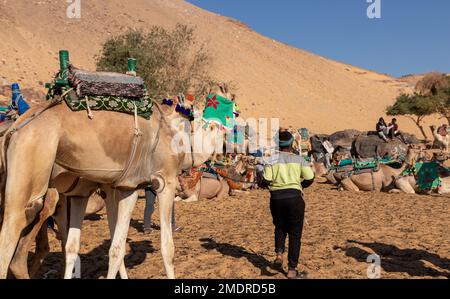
{"type": "Point", "coordinates": [412, 156]}
{"type": "Point", "coordinates": [201, 139]}
{"type": "Point", "coordinates": [222, 89]}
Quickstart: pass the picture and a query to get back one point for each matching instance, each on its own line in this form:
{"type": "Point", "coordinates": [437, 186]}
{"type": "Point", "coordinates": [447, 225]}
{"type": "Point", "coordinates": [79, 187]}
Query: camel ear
{"type": "Point", "coordinates": [222, 88]}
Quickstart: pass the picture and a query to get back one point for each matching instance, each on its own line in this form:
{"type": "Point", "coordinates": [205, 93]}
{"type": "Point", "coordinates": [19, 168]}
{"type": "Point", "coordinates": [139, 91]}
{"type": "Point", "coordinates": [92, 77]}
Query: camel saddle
{"type": "Point", "coordinates": [106, 84]}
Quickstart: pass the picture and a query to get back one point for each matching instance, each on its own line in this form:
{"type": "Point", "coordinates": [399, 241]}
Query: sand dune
{"type": "Point", "coordinates": [273, 79]}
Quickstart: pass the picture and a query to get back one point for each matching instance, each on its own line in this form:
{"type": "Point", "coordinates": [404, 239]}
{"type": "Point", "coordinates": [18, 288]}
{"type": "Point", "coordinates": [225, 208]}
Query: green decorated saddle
{"type": "Point", "coordinates": [372, 163]}
{"type": "Point", "coordinates": [426, 175]}
{"type": "Point", "coordinates": [143, 106]}
{"type": "Point", "coordinates": [85, 91]}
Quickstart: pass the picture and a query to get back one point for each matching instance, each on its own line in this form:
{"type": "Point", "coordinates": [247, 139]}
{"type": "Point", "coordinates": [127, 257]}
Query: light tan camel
{"type": "Point", "coordinates": [385, 179]}
{"type": "Point", "coordinates": [100, 150]}
{"type": "Point", "coordinates": [442, 141]}
{"type": "Point", "coordinates": [231, 178]}
{"type": "Point", "coordinates": [67, 188]}
{"type": "Point", "coordinates": [19, 265]}
{"type": "Point", "coordinates": [205, 188]}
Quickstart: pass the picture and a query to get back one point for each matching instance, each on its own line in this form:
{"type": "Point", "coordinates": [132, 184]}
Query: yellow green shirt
{"type": "Point", "coordinates": [287, 171]}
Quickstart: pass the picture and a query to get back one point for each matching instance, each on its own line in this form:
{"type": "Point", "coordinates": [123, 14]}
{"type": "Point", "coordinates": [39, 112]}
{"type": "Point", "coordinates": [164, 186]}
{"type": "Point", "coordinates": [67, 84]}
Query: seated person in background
{"type": "Point", "coordinates": [329, 150]}
{"type": "Point", "coordinates": [382, 129]}
{"type": "Point", "coordinates": [394, 132]}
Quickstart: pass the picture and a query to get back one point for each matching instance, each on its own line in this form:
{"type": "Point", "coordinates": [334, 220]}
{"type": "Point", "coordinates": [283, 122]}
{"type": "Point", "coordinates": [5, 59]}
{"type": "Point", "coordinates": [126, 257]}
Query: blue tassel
{"type": "Point", "coordinates": [168, 102]}
{"type": "Point", "coordinates": [17, 101]}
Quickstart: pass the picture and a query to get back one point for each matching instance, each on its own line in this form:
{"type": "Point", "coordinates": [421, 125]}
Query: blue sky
{"type": "Point", "coordinates": [412, 36]}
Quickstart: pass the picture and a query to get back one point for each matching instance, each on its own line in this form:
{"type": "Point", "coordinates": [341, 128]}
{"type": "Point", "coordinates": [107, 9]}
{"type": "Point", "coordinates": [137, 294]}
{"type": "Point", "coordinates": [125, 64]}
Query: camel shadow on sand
{"type": "Point", "coordinates": [139, 226]}
{"type": "Point", "coordinates": [239, 252]}
{"type": "Point", "coordinates": [94, 264]}
{"type": "Point", "coordinates": [394, 259]}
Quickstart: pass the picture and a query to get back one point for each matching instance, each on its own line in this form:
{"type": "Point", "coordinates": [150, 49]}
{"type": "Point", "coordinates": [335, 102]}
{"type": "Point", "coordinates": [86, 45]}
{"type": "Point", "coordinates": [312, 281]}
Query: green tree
{"type": "Point", "coordinates": [432, 96]}
{"type": "Point", "coordinates": [415, 106]}
{"type": "Point", "coordinates": [170, 62]}
{"type": "Point", "coordinates": [437, 86]}
{"type": "Point", "coordinates": [443, 103]}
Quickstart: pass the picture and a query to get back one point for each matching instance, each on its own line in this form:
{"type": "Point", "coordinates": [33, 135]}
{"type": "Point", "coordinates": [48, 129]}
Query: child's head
{"type": "Point", "coordinates": [285, 140]}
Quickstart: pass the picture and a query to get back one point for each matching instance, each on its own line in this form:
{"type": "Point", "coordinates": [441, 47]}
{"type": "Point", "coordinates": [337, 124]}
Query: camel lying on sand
{"type": "Point", "coordinates": [204, 188]}
{"type": "Point", "coordinates": [103, 150]}
{"type": "Point", "coordinates": [229, 179]}
{"type": "Point", "coordinates": [385, 179]}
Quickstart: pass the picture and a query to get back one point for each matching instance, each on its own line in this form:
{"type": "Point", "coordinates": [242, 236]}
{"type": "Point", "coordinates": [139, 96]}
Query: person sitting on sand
{"type": "Point", "coordinates": [382, 129]}
{"type": "Point", "coordinates": [286, 174]}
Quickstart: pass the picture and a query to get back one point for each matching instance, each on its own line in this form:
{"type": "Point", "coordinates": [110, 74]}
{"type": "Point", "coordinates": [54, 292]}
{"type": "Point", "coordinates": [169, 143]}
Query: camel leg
{"type": "Point", "coordinates": [77, 210]}
{"type": "Point", "coordinates": [166, 198]}
{"type": "Point", "coordinates": [194, 193]}
{"type": "Point", "coordinates": [62, 220]}
{"type": "Point", "coordinates": [111, 211]}
{"type": "Point", "coordinates": [19, 264]}
{"type": "Point", "coordinates": [349, 185]}
{"type": "Point", "coordinates": [404, 185]}
{"type": "Point", "coordinates": [225, 188]}
{"type": "Point", "coordinates": [26, 185]}
{"type": "Point", "coordinates": [42, 249]}
{"type": "Point", "coordinates": [118, 244]}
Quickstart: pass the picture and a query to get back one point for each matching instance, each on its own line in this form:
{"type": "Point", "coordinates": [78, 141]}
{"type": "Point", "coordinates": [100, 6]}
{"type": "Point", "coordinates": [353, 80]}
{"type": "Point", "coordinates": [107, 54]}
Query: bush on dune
{"type": "Point", "coordinates": [170, 62]}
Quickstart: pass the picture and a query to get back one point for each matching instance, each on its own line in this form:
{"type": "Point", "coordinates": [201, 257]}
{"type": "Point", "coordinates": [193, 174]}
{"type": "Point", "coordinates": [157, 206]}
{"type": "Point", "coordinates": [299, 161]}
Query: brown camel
{"type": "Point", "coordinates": [238, 177]}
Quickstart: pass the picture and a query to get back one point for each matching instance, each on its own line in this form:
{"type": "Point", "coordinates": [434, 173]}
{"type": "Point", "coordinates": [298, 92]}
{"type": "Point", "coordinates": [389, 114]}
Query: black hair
{"type": "Point", "coordinates": [285, 136]}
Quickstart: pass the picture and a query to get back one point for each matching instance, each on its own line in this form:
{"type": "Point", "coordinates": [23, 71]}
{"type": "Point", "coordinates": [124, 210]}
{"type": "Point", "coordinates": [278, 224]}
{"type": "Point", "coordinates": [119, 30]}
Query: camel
{"type": "Point", "coordinates": [204, 188]}
{"type": "Point", "coordinates": [67, 188]}
{"type": "Point", "coordinates": [387, 178]}
{"type": "Point", "coordinates": [19, 267]}
{"type": "Point", "coordinates": [230, 179]}
{"type": "Point", "coordinates": [105, 154]}
{"type": "Point", "coordinates": [442, 141]}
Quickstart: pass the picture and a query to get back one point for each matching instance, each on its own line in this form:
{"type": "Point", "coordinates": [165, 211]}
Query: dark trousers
{"type": "Point", "coordinates": [288, 212]}
{"type": "Point", "coordinates": [150, 200]}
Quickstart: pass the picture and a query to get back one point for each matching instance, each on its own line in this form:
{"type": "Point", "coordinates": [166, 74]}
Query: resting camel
{"type": "Point", "coordinates": [442, 141]}
{"type": "Point", "coordinates": [114, 150]}
{"type": "Point", "coordinates": [202, 188]}
{"type": "Point", "coordinates": [197, 186]}
{"type": "Point", "coordinates": [387, 178]}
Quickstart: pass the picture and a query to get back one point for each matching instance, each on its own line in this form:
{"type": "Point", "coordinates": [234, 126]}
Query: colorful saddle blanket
{"type": "Point", "coordinates": [427, 175]}
{"type": "Point", "coordinates": [143, 106]}
{"type": "Point", "coordinates": [367, 164]}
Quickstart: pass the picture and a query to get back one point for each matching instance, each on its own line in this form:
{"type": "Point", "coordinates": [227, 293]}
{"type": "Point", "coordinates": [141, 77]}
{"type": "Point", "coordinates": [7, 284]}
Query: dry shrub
{"type": "Point", "coordinates": [170, 62]}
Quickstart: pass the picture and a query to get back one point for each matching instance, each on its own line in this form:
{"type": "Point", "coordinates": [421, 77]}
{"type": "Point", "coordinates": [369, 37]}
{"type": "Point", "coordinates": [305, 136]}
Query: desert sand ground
{"type": "Point", "coordinates": [233, 238]}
